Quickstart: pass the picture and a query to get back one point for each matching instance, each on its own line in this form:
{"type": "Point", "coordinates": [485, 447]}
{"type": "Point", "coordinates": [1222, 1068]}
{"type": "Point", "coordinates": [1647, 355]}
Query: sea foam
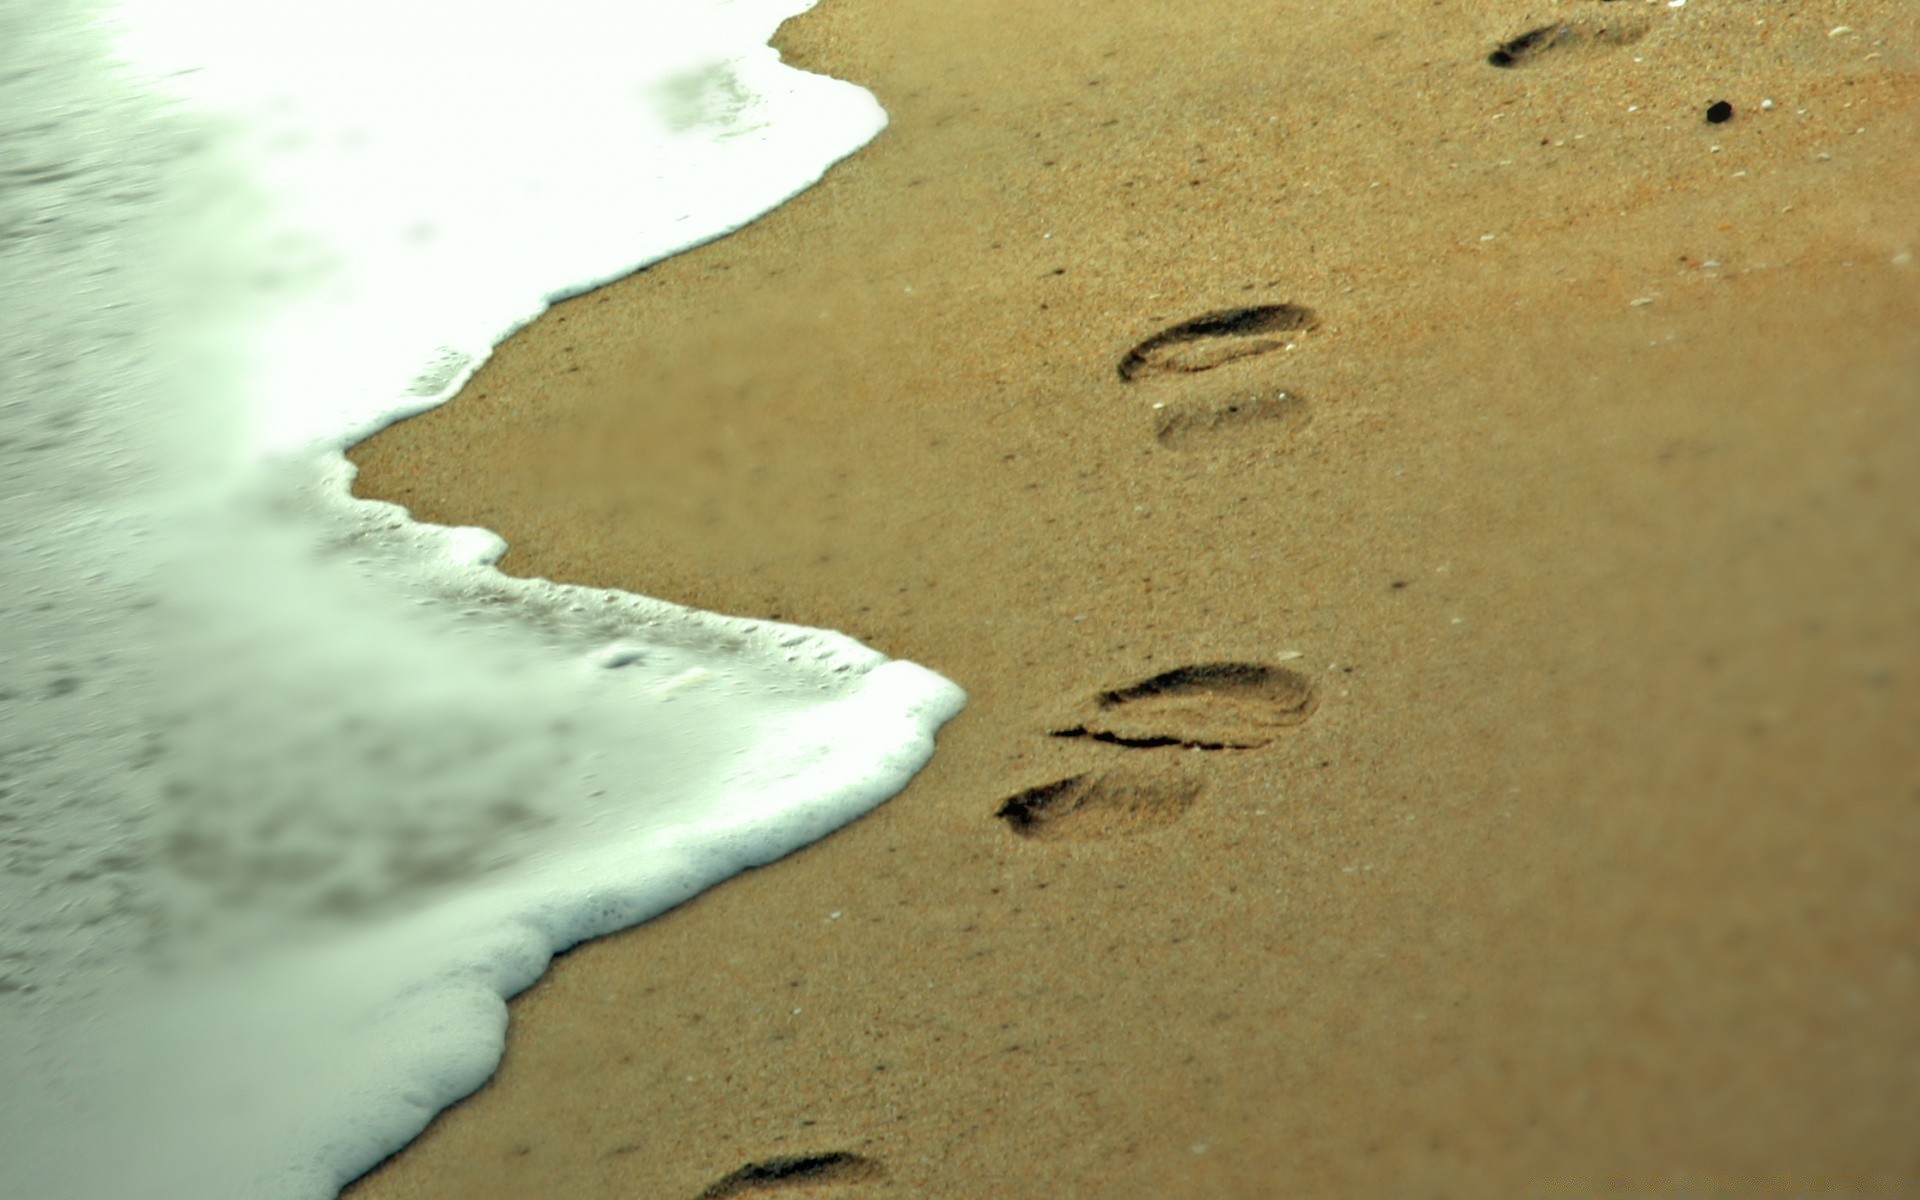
{"type": "Point", "coordinates": [293, 790]}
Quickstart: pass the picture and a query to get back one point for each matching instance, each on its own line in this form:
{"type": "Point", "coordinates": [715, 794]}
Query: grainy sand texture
{"type": "Point", "coordinates": [1433, 545]}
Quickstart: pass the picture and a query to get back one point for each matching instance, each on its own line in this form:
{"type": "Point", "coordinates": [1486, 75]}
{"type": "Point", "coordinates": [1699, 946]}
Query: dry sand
{"type": "Point", "coordinates": [1566, 827]}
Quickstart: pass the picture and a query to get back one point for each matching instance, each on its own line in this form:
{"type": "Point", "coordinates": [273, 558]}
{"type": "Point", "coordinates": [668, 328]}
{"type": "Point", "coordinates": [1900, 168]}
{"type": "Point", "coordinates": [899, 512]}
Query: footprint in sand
{"type": "Point", "coordinates": [1179, 426]}
{"type": "Point", "coordinates": [794, 1173]}
{"type": "Point", "coordinates": [1211, 706]}
{"type": "Point", "coordinates": [1564, 37]}
{"type": "Point", "coordinates": [1214, 338]}
{"type": "Point", "coordinates": [1099, 805]}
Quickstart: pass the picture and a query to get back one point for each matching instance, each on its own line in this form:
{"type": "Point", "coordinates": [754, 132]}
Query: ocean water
{"type": "Point", "coordinates": [294, 790]}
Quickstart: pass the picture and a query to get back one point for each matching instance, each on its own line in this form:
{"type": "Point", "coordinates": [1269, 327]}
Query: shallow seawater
{"type": "Point", "coordinates": [294, 790]}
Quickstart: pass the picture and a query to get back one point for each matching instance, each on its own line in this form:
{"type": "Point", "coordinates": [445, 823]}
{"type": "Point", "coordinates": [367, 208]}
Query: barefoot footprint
{"type": "Point", "coordinates": [1215, 338]}
{"type": "Point", "coordinates": [1182, 425]}
{"type": "Point", "coordinates": [1563, 36]}
{"type": "Point", "coordinates": [1210, 706]}
{"type": "Point", "coordinates": [1098, 805]}
{"type": "Point", "coordinates": [795, 1172]}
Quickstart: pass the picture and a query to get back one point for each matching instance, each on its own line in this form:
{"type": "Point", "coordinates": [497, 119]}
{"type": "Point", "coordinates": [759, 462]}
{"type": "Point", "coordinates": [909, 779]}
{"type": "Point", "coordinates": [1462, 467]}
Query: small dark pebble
{"type": "Point", "coordinates": [1719, 112]}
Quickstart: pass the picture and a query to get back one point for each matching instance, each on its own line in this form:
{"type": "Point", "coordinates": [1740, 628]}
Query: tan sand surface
{"type": "Point", "coordinates": [1563, 829]}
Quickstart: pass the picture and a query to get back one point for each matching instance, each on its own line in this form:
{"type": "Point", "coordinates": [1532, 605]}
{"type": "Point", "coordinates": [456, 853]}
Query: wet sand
{"type": "Point", "coordinates": [1479, 671]}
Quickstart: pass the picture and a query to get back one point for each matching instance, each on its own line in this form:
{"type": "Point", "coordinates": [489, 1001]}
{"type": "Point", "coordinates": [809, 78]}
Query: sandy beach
{"type": "Point", "coordinates": [1433, 548]}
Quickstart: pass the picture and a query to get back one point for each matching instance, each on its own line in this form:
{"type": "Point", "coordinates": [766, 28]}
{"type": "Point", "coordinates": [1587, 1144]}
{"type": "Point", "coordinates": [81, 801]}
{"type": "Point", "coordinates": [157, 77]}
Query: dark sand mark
{"type": "Point", "coordinates": [1563, 36]}
{"type": "Point", "coordinates": [1212, 706]}
{"type": "Point", "coordinates": [799, 1171]}
{"type": "Point", "coordinates": [1182, 425]}
{"type": "Point", "coordinates": [1093, 806]}
{"type": "Point", "coordinates": [1214, 338]}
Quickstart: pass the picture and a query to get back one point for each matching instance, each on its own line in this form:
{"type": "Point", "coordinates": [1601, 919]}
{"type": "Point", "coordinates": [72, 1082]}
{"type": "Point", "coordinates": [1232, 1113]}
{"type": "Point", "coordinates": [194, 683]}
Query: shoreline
{"type": "Point", "coordinates": [1553, 877]}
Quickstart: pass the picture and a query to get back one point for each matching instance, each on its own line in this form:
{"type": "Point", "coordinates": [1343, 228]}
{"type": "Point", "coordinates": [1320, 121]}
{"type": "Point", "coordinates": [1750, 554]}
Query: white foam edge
{"type": "Point", "coordinates": [435, 1043]}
